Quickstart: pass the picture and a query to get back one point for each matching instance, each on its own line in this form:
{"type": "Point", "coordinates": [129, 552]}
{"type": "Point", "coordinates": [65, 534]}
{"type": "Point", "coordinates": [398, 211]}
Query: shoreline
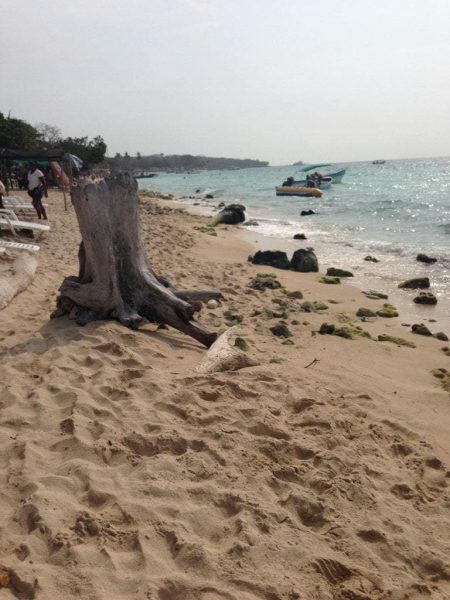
{"type": "Point", "coordinates": [322, 472]}
{"type": "Point", "coordinates": [437, 316]}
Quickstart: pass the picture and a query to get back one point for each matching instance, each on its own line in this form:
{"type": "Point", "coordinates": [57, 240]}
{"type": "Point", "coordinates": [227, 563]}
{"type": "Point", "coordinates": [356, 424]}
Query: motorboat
{"type": "Point", "coordinates": [335, 177]}
{"type": "Point", "coordinates": [294, 190]}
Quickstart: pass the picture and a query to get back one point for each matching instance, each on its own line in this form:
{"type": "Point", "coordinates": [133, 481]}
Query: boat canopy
{"type": "Point", "coordinates": [312, 167]}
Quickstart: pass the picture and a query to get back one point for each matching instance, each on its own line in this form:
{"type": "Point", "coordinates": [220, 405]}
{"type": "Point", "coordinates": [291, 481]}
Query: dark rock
{"type": "Point", "coordinates": [230, 215]}
{"type": "Point", "coordinates": [441, 336]}
{"type": "Point", "coordinates": [306, 213]}
{"type": "Point", "coordinates": [426, 259]}
{"type": "Point", "coordinates": [272, 258]}
{"type": "Point", "coordinates": [197, 191]}
{"type": "Point", "coordinates": [425, 298]}
{"type": "Point", "coordinates": [281, 330]}
{"type": "Point", "coordinates": [264, 281]}
{"type": "Point", "coordinates": [421, 329]}
{"type": "Point", "coordinates": [209, 196]}
{"type": "Point", "coordinates": [332, 271]}
{"type": "Point", "coordinates": [304, 261]}
{"type": "Point", "coordinates": [221, 205]}
{"type": "Point", "coordinates": [300, 236]}
{"type": "Point", "coordinates": [416, 283]}
{"type": "Point", "coordinates": [371, 259]}
{"type": "Point", "coordinates": [327, 329]}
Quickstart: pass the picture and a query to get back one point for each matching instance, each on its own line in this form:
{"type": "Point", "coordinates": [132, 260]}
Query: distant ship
{"type": "Point", "coordinates": [378, 162]}
{"type": "Point", "coordinates": [143, 174]}
{"type": "Point", "coordinates": [298, 163]}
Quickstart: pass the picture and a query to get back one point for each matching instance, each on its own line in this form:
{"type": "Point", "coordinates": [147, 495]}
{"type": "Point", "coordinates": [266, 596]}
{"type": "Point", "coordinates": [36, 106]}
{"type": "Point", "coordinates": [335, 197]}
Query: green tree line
{"type": "Point", "coordinates": [17, 134]}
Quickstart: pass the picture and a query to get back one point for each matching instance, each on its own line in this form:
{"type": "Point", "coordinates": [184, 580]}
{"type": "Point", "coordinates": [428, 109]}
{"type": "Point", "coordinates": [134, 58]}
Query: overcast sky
{"type": "Point", "coordinates": [278, 80]}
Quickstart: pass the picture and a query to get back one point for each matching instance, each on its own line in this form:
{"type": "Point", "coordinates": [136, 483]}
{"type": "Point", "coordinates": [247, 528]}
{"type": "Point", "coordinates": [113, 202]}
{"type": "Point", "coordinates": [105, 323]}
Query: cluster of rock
{"type": "Point", "coordinates": [420, 283]}
{"type": "Point", "coordinates": [303, 260]}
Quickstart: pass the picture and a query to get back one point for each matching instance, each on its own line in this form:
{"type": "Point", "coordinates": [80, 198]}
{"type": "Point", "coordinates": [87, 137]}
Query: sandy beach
{"type": "Point", "coordinates": [321, 473]}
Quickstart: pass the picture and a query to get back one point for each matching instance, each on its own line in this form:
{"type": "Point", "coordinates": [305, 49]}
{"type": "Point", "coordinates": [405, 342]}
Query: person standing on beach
{"type": "Point", "coordinates": [37, 187]}
{"type": "Point", "coordinates": [2, 193]}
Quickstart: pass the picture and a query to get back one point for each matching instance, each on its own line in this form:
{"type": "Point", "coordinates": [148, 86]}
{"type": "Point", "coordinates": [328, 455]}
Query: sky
{"type": "Point", "coordinates": [277, 80]}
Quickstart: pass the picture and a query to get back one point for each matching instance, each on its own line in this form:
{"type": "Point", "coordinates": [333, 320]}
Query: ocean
{"type": "Point", "coordinates": [391, 211]}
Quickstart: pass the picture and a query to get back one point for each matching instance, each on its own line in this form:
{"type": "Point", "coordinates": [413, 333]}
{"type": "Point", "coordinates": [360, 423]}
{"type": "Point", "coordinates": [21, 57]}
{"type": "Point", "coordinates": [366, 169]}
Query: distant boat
{"type": "Point", "coordinates": [143, 175]}
{"type": "Point", "coordinates": [291, 190]}
{"type": "Point", "coordinates": [298, 163]}
{"type": "Point", "coordinates": [378, 162]}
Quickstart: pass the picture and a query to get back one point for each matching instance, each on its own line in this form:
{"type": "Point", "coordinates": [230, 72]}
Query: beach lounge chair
{"type": "Point", "coordinates": [19, 204]}
{"type": "Point", "coordinates": [9, 219]}
{"type": "Point", "coordinates": [13, 201]}
{"type": "Point", "coordinates": [5, 245]}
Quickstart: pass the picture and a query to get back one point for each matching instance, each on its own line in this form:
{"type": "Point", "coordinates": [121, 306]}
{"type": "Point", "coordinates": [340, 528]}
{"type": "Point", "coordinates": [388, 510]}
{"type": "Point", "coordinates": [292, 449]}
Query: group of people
{"type": "Point", "coordinates": [312, 181]}
{"type": "Point", "coordinates": [36, 187]}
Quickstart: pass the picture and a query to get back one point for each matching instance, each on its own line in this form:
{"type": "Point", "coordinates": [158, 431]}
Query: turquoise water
{"type": "Point", "coordinates": [391, 211]}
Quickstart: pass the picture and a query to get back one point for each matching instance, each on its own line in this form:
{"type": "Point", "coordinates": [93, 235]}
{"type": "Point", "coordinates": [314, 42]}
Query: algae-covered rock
{"type": "Point", "coordinates": [281, 330]}
{"type": "Point", "coordinates": [421, 329]}
{"type": "Point", "coordinates": [365, 312]}
{"type": "Point", "coordinates": [207, 230]}
{"type": "Point", "coordinates": [318, 305]}
{"type": "Point", "coordinates": [271, 258]}
{"type": "Point", "coordinates": [388, 311]}
{"type": "Point", "coordinates": [425, 298]}
{"type": "Point", "coordinates": [277, 359]}
{"type": "Point", "coordinates": [415, 283]}
{"type": "Point", "coordinates": [334, 272]}
{"type": "Point", "coordinates": [232, 317]}
{"type": "Point", "coordinates": [264, 281]}
{"type": "Point", "coordinates": [395, 340]}
{"type": "Point", "coordinates": [242, 344]}
{"type": "Point", "coordinates": [444, 376]}
{"type": "Point", "coordinates": [287, 342]}
{"type": "Point", "coordinates": [374, 295]}
{"type": "Point", "coordinates": [307, 306]}
{"type": "Point", "coordinates": [251, 223]}
{"type": "Point", "coordinates": [294, 294]}
{"type": "Point", "coordinates": [349, 332]}
{"type": "Point", "coordinates": [329, 280]}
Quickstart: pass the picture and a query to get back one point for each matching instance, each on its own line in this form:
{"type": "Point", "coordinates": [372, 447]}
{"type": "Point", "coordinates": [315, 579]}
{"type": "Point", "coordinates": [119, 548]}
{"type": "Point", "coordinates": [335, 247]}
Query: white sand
{"type": "Point", "coordinates": [126, 475]}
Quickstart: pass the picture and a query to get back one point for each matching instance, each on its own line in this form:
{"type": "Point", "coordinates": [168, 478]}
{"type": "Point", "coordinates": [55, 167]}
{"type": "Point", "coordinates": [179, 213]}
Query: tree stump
{"type": "Point", "coordinates": [115, 280]}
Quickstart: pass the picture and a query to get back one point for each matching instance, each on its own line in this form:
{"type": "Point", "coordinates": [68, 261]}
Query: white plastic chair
{"type": "Point", "coordinates": [4, 245]}
{"type": "Point", "coordinates": [9, 219]}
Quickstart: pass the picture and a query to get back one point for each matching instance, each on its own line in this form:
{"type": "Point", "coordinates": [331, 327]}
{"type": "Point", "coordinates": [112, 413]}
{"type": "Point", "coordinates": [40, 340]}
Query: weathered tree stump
{"type": "Point", "coordinates": [115, 280]}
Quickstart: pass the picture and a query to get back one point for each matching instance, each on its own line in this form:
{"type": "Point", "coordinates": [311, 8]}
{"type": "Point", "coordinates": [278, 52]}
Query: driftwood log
{"type": "Point", "coordinates": [115, 280]}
